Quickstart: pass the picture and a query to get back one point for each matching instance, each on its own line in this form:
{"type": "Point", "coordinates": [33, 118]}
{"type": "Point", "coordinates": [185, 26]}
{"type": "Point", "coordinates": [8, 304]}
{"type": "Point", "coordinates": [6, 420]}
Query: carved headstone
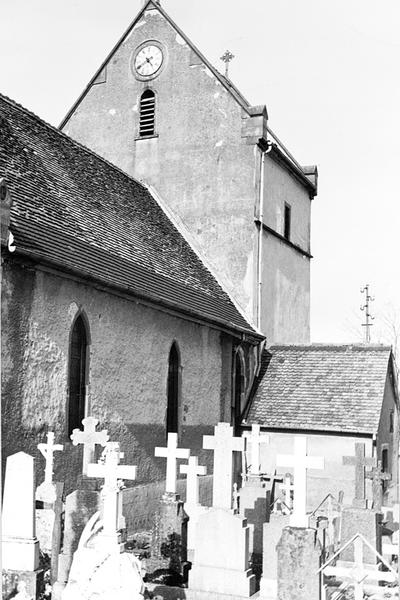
{"type": "Point", "coordinates": [360, 462]}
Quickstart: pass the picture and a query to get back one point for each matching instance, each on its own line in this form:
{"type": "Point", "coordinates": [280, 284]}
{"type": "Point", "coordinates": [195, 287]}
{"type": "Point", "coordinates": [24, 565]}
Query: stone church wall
{"type": "Point", "coordinates": [128, 366]}
{"type": "Point", "coordinates": [388, 439]}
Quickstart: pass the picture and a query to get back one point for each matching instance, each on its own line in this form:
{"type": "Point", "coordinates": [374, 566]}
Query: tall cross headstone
{"type": "Point", "coordinates": [378, 477]}
{"type": "Point", "coordinates": [46, 490]}
{"type": "Point", "coordinates": [171, 453]}
{"type": "Point", "coordinates": [300, 463]}
{"type": "Point", "coordinates": [256, 439]}
{"type": "Point", "coordinates": [89, 437]}
{"type": "Point", "coordinates": [192, 471]}
{"type": "Point", "coordinates": [224, 444]}
{"type": "Point", "coordinates": [112, 472]}
{"type": "Point", "coordinates": [360, 461]}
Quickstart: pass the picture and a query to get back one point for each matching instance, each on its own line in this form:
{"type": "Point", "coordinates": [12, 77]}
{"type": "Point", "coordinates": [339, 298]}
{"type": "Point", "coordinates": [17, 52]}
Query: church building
{"type": "Point", "coordinates": [161, 112]}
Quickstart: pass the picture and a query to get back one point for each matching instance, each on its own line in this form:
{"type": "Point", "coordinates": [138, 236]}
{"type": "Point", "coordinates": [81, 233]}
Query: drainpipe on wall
{"type": "Point", "coordinates": [260, 217]}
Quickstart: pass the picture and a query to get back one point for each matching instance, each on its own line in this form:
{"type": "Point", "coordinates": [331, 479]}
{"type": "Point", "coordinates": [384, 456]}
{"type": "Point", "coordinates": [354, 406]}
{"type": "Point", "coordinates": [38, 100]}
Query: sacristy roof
{"type": "Point", "coordinates": [332, 388]}
{"type": "Point", "coordinates": [73, 209]}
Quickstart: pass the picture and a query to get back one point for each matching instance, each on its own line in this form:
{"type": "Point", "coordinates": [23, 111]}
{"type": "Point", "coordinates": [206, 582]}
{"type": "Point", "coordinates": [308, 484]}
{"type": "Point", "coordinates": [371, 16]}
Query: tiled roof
{"type": "Point", "coordinates": [319, 387]}
{"type": "Point", "coordinates": [77, 211]}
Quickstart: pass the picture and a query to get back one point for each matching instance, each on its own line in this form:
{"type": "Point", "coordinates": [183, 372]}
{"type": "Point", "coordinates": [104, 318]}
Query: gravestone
{"type": "Point", "coordinates": [192, 506]}
{"type": "Point", "coordinates": [80, 506]}
{"type": "Point", "coordinates": [360, 462]}
{"type": "Point", "coordinates": [101, 572]}
{"type": "Point", "coordinates": [20, 546]}
{"type": "Point", "coordinates": [272, 532]}
{"type": "Point", "coordinates": [89, 437]}
{"type": "Point", "coordinates": [287, 489]}
{"type": "Point", "coordinates": [46, 491]}
{"type": "Point", "coordinates": [377, 477]}
{"type": "Point", "coordinates": [299, 554]}
{"type": "Point", "coordinates": [366, 522]}
{"type": "Point", "coordinates": [111, 496]}
{"type": "Point", "coordinates": [168, 560]}
{"type": "Point", "coordinates": [331, 509]}
{"type": "Point", "coordinates": [253, 497]}
{"type": "Point", "coordinates": [300, 463]}
{"type": "Point", "coordinates": [221, 552]}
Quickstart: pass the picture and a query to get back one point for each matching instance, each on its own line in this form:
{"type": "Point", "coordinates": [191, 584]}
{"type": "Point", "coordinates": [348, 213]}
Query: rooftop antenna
{"type": "Point", "coordinates": [368, 316]}
{"type": "Point", "coordinates": [226, 58]}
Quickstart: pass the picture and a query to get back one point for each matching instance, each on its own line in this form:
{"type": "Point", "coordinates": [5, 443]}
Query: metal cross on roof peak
{"type": "Point", "coordinates": [226, 58]}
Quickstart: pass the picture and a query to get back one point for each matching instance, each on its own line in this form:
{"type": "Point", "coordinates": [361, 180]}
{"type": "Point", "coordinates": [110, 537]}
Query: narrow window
{"type": "Point", "coordinates": [391, 421]}
{"type": "Point", "coordinates": [173, 390]}
{"type": "Point", "coordinates": [286, 224]}
{"type": "Point", "coordinates": [238, 399]}
{"type": "Point", "coordinates": [147, 113]}
{"type": "Point", "coordinates": [77, 375]}
{"type": "Point", "coordinates": [385, 466]}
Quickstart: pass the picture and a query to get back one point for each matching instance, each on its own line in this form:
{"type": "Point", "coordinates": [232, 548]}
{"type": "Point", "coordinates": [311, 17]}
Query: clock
{"type": "Point", "coordinates": [148, 60]}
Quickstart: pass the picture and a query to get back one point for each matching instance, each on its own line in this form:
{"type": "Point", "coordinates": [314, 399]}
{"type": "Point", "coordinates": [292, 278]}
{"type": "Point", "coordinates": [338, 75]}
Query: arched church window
{"type": "Point", "coordinates": [238, 393]}
{"type": "Point", "coordinates": [77, 375]}
{"type": "Point", "coordinates": [173, 390]}
{"type": "Point", "coordinates": [147, 113]}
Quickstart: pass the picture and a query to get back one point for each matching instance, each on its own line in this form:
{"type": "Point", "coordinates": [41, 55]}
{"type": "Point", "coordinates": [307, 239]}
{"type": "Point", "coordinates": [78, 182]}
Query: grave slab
{"type": "Point", "coordinates": [272, 532]}
{"type": "Point", "coordinates": [367, 522]}
{"type": "Point", "coordinates": [222, 555]}
{"type": "Point", "coordinates": [299, 554]}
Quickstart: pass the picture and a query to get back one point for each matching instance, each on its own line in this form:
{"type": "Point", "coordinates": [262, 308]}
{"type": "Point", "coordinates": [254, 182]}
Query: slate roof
{"type": "Point", "coordinates": [73, 209]}
{"type": "Point", "coordinates": [320, 387]}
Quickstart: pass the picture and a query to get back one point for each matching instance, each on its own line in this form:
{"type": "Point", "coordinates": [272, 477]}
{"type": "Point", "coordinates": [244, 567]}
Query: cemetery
{"type": "Point", "coordinates": [222, 535]}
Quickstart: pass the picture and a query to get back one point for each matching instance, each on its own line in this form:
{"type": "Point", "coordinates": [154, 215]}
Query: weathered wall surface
{"type": "Point", "coordinates": [334, 478]}
{"type": "Point", "coordinates": [128, 366]}
{"type": "Point", "coordinates": [388, 438]}
{"type": "Point", "coordinates": [199, 162]}
{"type": "Point", "coordinates": [285, 293]}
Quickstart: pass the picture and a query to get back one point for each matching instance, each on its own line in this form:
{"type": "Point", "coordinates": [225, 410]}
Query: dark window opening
{"type": "Point", "coordinates": [173, 390]}
{"type": "Point", "coordinates": [385, 466]}
{"type": "Point", "coordinates": [238, 399]}
{"type": "Point", "coordinates": [287, 219]}
{"type": "Point", "coordinates": [77, 376]}
{"type": "Point", "coordinates": [391, 421]}
{"type": "Point", "coordinates": [147, 113]}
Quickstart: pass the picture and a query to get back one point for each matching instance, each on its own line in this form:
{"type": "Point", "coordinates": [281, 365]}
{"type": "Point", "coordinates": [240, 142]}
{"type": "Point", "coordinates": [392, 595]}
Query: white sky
{"type": "Point", "coordinates": [329, 73]}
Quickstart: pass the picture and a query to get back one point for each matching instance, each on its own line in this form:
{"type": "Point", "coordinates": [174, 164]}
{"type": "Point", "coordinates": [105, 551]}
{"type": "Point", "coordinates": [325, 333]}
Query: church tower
{"type": "Point", "coordinates": [160, 111]}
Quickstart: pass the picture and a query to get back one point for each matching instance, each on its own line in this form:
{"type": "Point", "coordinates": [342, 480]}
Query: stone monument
{"type": "Point", "coordinates": [192, 506]}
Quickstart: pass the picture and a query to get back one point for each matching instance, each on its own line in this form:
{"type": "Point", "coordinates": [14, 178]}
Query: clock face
{"type": "Point", "coordinates": [148, 60]}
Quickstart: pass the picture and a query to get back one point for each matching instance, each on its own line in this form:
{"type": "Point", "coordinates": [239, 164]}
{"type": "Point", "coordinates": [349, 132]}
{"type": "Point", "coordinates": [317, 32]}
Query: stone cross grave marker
{"type": "Point", "coordinates": [329, 508]}
{"type": "Point", "coordinates": [287, 487]}
{"type": "Point", "coordinates": [111, 471]}
{"type": "Point", "coordinates": [192, 471]}
{"type": "Point", "coordinates": [300, 463]}
{"type": "Point", "coordinates": [360, 461]}
{"type": "Point", "coordinates": [359, 573]}
{"type": "Point", "coordinates": [89, 437]}
{"type": "Point", "coordinates": [171, 453]}
{"type": "Point", "coordinates": [378, 477]}
{"type": "Point", "coordinates": [46, 490]}
{"type": "Point", "coordinates": [224, 444]}
{"type": "Point", "coordinates": [256, 439]}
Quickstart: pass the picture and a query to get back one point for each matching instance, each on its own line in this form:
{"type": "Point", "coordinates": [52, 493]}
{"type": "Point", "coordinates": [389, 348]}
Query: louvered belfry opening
{"type": "Point", "coordinates": [147, 113]}
{"type": "Point", "coordinates": [77, 375]}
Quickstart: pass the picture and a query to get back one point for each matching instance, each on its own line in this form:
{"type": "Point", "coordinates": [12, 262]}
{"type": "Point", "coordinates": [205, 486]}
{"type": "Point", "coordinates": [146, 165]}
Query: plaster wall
{"type": "Point", "coordinates": [334, 478]}
{"type": "Point", "coordinates": [285, 307]}
{"type": "Point", "coordinates": [389, 439]}
{"type": "Point", "coordinates": [199, 161]}
{"type": "Point", "coordinates": [128, 367]}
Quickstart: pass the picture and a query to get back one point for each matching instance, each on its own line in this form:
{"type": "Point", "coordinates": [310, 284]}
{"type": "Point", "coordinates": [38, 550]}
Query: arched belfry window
{"type": "Point", "coordinates": [238, 392]}
{"type": "Point", "coordinates": [77, 374]}
{"type": "Point", "coordinates": [173, 390]}
{"type": "Point", "coordinates": [147, 113]}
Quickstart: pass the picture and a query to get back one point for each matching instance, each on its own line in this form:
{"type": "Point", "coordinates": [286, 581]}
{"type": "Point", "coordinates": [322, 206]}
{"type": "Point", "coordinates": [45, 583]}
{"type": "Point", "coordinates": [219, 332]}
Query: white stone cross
{"type": "Point", "coordinates": [111, 471]}
{"type": "Point", "coordinates": [256, 439]}
{"type": "Point", "coordinates": [224, 444]}
{"type": "Point", "coordinates": [287, 487]}
{"type": "Point", "coordinates": [192, 470]}
{"type": "Point", "coordinates": [171, 453]}
{"type": "Point", "coordinates": [48, 450]}
{"type": "Point", "coordinates": [89, 437]}
{"type": "Point", "coordinates": [300, 463]}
